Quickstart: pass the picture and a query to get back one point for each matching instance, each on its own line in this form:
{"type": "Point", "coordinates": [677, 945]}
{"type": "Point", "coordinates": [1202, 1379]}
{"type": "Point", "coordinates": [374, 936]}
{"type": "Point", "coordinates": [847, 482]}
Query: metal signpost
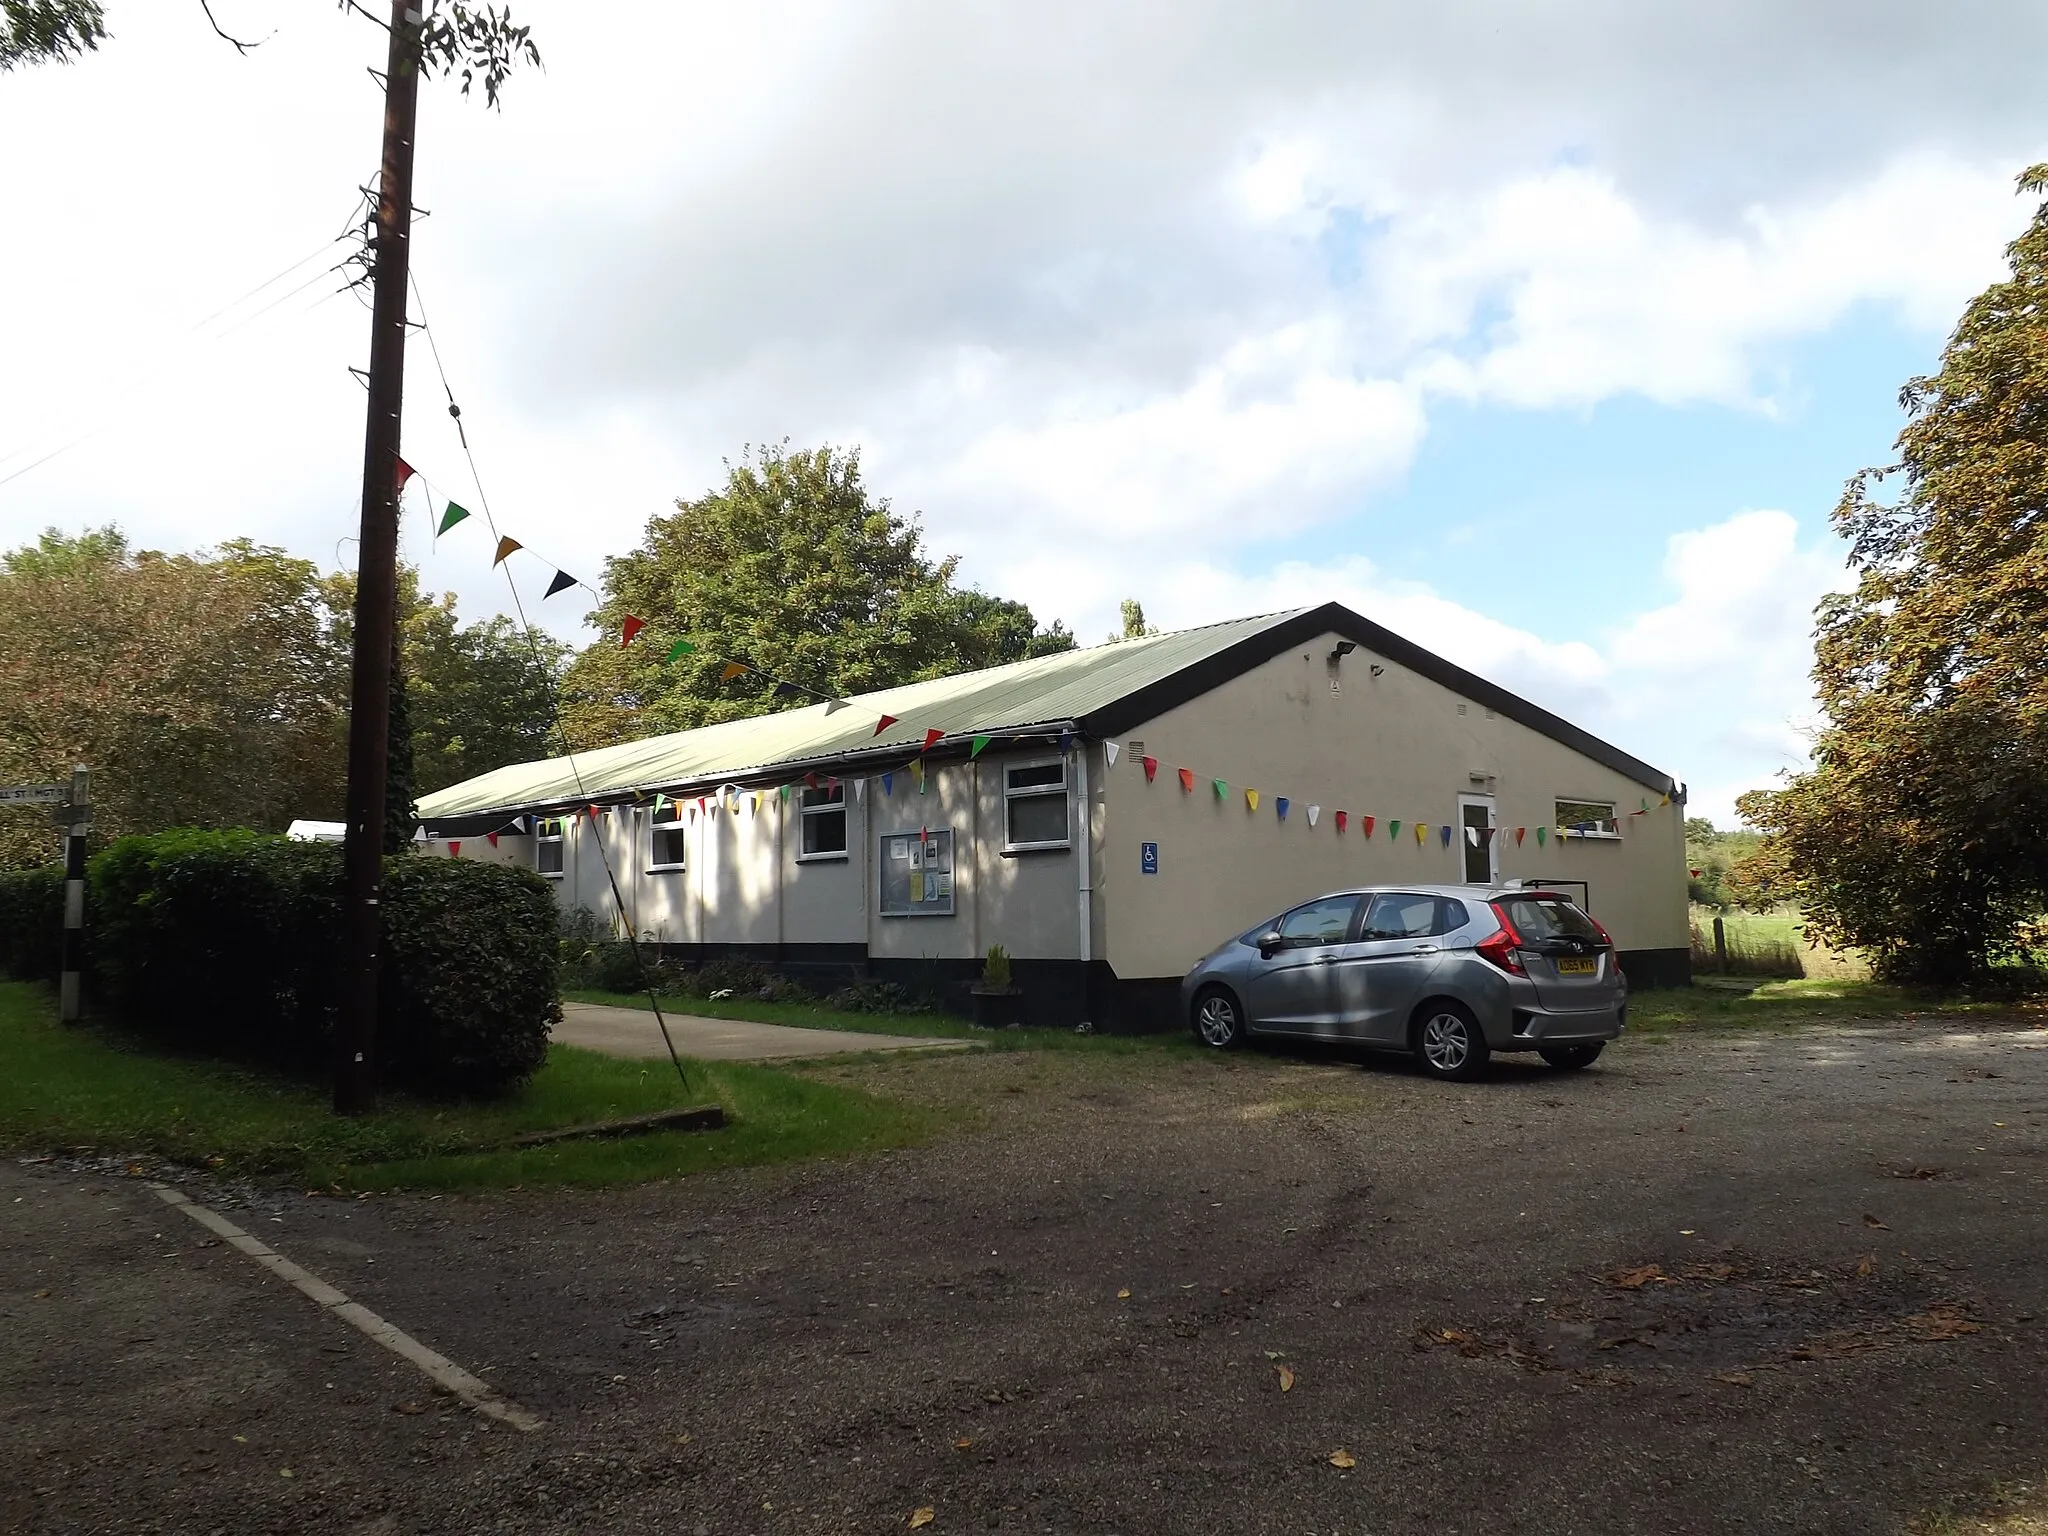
{"type": "Point", "coordinates": [74, 813]}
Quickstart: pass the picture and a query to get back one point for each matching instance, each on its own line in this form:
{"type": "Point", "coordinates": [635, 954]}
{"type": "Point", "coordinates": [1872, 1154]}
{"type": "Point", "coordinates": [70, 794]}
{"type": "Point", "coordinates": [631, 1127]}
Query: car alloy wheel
{"type": "Point", "coordinates": [1450, 1044]}
{"type": "Point", "coordinates": [1216, 1021]}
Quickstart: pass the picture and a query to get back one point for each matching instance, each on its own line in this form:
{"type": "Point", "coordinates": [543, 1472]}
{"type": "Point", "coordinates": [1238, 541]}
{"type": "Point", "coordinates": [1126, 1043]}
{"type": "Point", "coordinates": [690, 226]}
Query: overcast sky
{"type": "Point", "coordinates": [1545, 333]}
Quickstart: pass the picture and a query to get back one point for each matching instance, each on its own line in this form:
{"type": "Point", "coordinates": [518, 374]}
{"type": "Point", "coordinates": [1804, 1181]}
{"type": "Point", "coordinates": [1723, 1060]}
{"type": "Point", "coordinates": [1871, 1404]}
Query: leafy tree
{"type": "Point", "coordinates": [792, 568]}
{"type": "Point", "coordinates": [1711, 854]}
{"type": "Point", "coordinates": [1921, 834]}
{"type": "Point", "coordinates": [203, 691]}
{"type": "Point", "coordinates": [1132, 613]}
{"type": "Point", "coordinates": [48, 31]}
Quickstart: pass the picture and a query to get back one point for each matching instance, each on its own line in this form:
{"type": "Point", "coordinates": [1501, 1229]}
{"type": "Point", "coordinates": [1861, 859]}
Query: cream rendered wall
{"type": "Point", "coordinates": [1389, 746]}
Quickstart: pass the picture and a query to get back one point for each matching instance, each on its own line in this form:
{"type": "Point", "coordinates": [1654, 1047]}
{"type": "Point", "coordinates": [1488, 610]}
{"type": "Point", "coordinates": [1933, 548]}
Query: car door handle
{"type": "Point", "coordinates": [1423, 949]}
{"type": "Point", "coordinates": [1324, 960]}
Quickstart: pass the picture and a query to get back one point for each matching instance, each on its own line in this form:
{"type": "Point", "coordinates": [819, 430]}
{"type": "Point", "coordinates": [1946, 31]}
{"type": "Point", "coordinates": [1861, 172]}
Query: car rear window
{"type": "Point", "coordinates": [1549, 917]}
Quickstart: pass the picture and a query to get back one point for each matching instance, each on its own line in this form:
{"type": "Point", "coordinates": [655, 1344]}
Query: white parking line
{"type": "Point", "coordinates": [444, 1372]}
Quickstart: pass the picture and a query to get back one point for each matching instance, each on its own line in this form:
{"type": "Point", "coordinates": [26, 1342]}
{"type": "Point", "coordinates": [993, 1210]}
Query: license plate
{"type": "Point", "coordinates": [1577, 965]}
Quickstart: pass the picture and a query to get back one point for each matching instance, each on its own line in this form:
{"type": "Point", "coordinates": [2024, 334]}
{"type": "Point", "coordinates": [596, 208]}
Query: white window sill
{"type": "Point", "coordinates": [1019, 850]}
{"type": "Point", "coordinates": [666, 869]}
{"type": "Point", "coordinates": [1590, 837]}
{"type": "Point", "coordinates": [822, 858]}
{"type": "Point", "coordinates": [549, 874]}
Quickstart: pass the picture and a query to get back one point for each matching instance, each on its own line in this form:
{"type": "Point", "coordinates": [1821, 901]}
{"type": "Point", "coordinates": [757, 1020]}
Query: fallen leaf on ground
{"type": "Point", "coordinates": [1866, 1266]}
{"type": "Point", "coordinates": [1916, 1173]}
{"type": "Point", "coordinates": [1124, 1294]}
{"type": "Point", "coordinates": [1286, 1379]}
{"type": "Point", "coordinates": [284, 1471]}
{"type": "Point", "coordinates": [1638, 1277]}
{"type": "Point", "coordinates": [962, 1443]}
{"type": "Point", "coordinates": [1735, 1378]}
{"type": "Point", "coordinates": [421, 1408]}
{"type": "Point", "coordinates": [1872, 1222]}
{"type": "Point", "coordinates": [923, 1516]}
{"type": "Point", "coordinates": [43, 1294]}
{"type": "Point", "coordinates": [1343, 1459]}
{"type": "Point", "coordinates": [1276, 1354]}
{"type": "Point", "coordinates": [1943, 1320]}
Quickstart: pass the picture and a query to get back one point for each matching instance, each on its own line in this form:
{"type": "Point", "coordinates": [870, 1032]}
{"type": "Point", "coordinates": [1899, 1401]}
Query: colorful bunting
{"type": "Point", "coordinates": [506, 546]}
{"type": "Point", "coordinates": [1222, 789]}
{"type": "Point", "coordinates": [405, 473]}
{"type": "Point", "coordinates": [450, 518]}
{"type": "Point", "coordinates": [491, 838]}
{"type": "Point", "coordinates": [1393, 829]}
{"type": "Point", "coordinates": [1541, 833]}
{"type": "Point", "coordinates": [1280, 805]}
{"type": "Point", "coordinates": [884, 723]}
{"type": "Point", "coordinates": [731, 670]}
{"type": "Point", "coordinates": [629, 630]}
{"type": "Point", "coordinates": [563, 582]}
{"type": "Point", "coordinates": [833, 706]}
{"type": "Point", "coordinates": [1520, 833]}
{"type": "Point", "coordinates": [1421, 832]}
{"type": "Point", "coordinates": [454, 849]}
{"type": "Point", "coordinates": [679, 649]}
{"type": "Point", "coordinates": [1251, 799]}
{"type": "Point", "coordinates": [1151, 768]}
{"type": "Point", "coordinates": [979, 743]}
{"type": "Point", "coordinates": [932, 739]}
{"type": "Point", "coordinates": [1445, 831]}
{"type": "Point", "coordinates": [1313, 812]}
{"type": "Point", "coordinates": [1187, 780]}
{"type": "Point", "coordinates": [1365, 827]}
{"type": "Point", "coordinates": [888, 784]}
{"type": "Point", "coordinates": [1342, 817]}
{"type": "Point", "coordinates": [1110, 750]}
{"type": "Point", "coordinates": [785, 791]}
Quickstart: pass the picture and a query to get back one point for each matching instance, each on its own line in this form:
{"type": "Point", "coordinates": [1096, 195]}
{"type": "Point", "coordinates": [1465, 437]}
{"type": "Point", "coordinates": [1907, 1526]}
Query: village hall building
{"type": "Point", "coordinates": [1107, 815]}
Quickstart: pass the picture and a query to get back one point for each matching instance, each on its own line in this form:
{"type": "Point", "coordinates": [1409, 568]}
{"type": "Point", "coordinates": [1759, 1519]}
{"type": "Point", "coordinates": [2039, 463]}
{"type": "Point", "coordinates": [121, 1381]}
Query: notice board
{"type": "Point", "coordinates": [915, 873]}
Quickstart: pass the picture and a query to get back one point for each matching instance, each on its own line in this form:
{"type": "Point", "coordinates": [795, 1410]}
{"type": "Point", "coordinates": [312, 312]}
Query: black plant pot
{"type": "Point", "coordinates": [997, 1009]}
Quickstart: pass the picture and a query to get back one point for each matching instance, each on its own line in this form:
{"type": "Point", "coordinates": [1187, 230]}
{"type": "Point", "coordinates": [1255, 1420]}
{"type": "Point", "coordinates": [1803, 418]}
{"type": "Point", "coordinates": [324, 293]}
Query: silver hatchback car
{"type": "Point", "coordinates": [1451, 973]}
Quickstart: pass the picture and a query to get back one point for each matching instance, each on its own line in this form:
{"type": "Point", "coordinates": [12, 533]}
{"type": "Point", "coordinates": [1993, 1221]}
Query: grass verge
{"type": "Point", "coordinates": [86, 1088]}
{"type": "Point", "coordinates": [1730, 1002]}
{"type": "Point", "coordinates": [923, 1026]}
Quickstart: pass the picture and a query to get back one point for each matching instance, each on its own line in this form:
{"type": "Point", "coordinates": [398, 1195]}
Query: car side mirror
{"type": "Point", "coordinates": [1269, 941]}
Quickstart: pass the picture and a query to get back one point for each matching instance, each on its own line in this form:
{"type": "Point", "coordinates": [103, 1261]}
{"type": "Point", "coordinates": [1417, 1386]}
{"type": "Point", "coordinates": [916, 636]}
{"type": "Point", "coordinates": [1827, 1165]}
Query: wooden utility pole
{"type": "Point", "coordinates": [355, 1065]}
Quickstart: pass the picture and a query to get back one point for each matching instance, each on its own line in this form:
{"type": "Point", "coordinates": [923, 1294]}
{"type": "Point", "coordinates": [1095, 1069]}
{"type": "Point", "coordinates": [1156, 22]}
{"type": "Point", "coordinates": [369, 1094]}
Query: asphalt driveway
{"type": "Point", "coordinates": [632, 1032]}
{"type": "Point", "coordinates": [1722, 1284]}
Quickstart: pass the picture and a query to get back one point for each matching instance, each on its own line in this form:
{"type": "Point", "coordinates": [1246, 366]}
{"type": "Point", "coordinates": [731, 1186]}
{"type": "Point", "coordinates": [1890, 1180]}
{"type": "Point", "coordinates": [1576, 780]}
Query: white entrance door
{"type": "Point", "coordinates": [1478, 850]}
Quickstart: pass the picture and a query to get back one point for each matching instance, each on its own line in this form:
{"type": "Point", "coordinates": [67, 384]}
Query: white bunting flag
{"type": "Point", "coordinates": [1111, 749]}
{"type": "Point", "coordinates": [1313, 812]}
{"type": "Point", "coordinates": [860, 791]}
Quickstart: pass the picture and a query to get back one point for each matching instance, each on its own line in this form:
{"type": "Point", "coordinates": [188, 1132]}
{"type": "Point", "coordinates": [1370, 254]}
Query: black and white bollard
{"type": "Point", "coordinates": [70, 997]}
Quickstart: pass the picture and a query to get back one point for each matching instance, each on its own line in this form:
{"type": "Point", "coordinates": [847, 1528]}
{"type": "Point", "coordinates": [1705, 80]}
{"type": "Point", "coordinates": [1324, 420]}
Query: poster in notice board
{"type": "Point", "coordinates": [915, 873]}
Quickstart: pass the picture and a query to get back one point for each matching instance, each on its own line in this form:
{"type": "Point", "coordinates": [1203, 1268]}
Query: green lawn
{"type": "Point", "coordinates": [73, 1089]}
{"type": "Point", "coordinates": [1734, 1002]}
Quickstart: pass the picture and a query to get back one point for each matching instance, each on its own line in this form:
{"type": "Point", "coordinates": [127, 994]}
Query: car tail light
{"type": "Point", "coordinates": [1613, 953]}
{"type": "Point", "coordinates": [1500, 948]}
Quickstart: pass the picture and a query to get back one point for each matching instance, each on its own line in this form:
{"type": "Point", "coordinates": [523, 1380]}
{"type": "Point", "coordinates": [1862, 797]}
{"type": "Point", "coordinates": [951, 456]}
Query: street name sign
{"type": "Point", "coordinates": [34, 794]}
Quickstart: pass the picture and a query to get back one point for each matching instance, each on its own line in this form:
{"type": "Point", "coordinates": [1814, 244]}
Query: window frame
{"type": "Point", "coordinates": [559, 839]}
{"type": "Point", "coordinates": [806, 811]}
{"type": "Point", "coordinates": [1013, 793]}
{"type": "Point", "coordinates": [1371, 935]}
{"type": "Point", "coordinates": [1359, 903]}
{"type": "Point", "coordinates": [1568, 830]}
{"type": "Point", "coordinates": [655, 824]}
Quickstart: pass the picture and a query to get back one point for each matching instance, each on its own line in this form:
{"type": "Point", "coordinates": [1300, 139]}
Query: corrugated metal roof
{"type": "Point", "coordinates": [1045, 691]}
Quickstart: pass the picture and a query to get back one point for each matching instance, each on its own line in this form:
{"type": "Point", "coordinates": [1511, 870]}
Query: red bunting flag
{"type": "Point", "coordinates": [629, 629]}
{"type": "Point", "coordinates": [1520, 833]}
{"type": "Point", "coordinates": [593, 813]}
{"type": "Point", "coordinates": [404, 474]}
{"type": "Point", "coordinates": [811, 779]}
{"type": "Point", "coordinates": [491, 838]}
{"type": "Point", "coordinates": [1365, 825]}
{"type": "Point", "coordinates": [1342, 817]}
{"type": "Point", "coordinates": [455, 850]}
{"type": "Point", "coordinates": [1187, 781]}
{"type": "Point", "coordinates": [884, 723]}
{"type": "Point", "coordinates": [932, 739]}
{"type": "Point", "coordinates": [1151, 768]}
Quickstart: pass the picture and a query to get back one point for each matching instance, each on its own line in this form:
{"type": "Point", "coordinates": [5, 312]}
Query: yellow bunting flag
{"type": "Point", "coordinates": [1422, 831]}
{"type": "Point", "coordinates": [1251, 799]}
{"type": "Point", "coordinates": [506, 546]}
{"type": "Point", "coordinates": [731, 670]}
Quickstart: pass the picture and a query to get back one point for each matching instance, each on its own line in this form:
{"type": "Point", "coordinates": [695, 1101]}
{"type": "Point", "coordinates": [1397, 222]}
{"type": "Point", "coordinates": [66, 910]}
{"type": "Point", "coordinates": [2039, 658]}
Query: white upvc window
{"type": "Point", "coordinates": [1035, 805]}
{"type": "Point", "coordinates": [548, 844]}
{"type": "Point", "coordinates": [1587, 818]}
{"type": "Point", "coordinates": [665, 839]}
{"type": "Point", "coordinates": [821, 818]}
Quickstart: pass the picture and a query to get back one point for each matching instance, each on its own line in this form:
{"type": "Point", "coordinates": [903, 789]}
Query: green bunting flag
{"type": "Point", "coordinates": [450, 518]}
{"type": "Point", "coordinates": [1393, 829]}
{"type": "Point", "coordinates": [979, 743]}
{"type": "Point", "coordinates": [1542, 836]}
{"type": "Point", "coordinates": [1222, 789]}
{"type": "Point", "coordinates": [785, 791]}
{"type": "Point", "coordinates": [680, 648]}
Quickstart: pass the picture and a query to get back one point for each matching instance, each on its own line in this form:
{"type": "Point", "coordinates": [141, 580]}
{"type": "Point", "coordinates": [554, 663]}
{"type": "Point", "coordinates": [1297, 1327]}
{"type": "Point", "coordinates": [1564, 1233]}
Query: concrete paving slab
{"type": "Point", "coordinates": [632, 1032]}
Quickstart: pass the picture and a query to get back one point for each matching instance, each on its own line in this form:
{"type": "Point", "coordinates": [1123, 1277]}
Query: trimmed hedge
{"type": "Point", "coordinates": [31, 915]}
{"type": "Point", "coordinates": [231, 943]}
